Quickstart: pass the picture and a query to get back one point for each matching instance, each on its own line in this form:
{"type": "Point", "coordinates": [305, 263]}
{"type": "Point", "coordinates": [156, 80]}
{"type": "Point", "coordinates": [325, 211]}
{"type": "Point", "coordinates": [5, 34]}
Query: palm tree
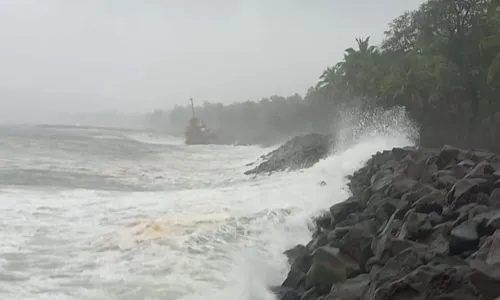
{"type": "Point", "coordinates": [358, 67]}
{"type": "Point", "coordinates": [329, 78]}
{"type": "Point", "coordinates": [364, 47]}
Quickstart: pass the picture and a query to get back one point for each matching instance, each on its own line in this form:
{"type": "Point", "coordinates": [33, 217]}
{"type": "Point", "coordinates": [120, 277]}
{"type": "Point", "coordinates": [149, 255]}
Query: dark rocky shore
{"type": "Point", "coordinates": [299, 152]}
{"type": "Point", "coordinates": [420, 224]}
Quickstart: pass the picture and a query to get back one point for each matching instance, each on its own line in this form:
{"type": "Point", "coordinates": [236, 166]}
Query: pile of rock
{"type": "Point", "coordinates": [299, 152]}
{"type": "Point", "coordinates": [421, 224]}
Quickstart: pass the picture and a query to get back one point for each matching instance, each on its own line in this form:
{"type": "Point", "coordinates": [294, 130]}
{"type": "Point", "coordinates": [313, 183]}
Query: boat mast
{"type": "Point", "coordinates": [192, 107]}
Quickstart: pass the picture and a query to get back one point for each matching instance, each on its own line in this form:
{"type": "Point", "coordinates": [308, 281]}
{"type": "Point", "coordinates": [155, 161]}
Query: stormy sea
{"type": "Point", "coordinates": [114, 214]}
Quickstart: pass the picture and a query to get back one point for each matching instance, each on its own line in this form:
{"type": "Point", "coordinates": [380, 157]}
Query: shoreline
{"type": "Point", "coordinates": [421, 224]}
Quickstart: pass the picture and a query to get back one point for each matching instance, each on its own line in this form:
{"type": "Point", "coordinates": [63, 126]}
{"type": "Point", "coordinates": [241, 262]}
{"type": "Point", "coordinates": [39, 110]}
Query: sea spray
{"type": "Point", "coordinates": [360, 135]}
{"type": "Point", "coordinates": [355, 125]}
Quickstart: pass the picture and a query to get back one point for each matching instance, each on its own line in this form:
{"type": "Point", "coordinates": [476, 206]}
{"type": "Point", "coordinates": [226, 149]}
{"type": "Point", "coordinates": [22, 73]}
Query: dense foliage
{"type": "Point", "coordinates": [440, 61]}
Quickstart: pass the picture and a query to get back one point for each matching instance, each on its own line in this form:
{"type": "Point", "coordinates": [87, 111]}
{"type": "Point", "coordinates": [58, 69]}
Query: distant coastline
{"type": "Point", "coordinates": [86, 127]}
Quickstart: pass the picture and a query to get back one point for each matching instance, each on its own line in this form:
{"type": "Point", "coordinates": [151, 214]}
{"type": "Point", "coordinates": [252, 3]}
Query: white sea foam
{"type": "Point", "coordinates": [221, 238]}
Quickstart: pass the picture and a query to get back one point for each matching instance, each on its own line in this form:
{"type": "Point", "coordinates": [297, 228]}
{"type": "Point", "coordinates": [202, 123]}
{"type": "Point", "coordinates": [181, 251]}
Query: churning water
{"type": "Point", "coordinates": [94, 214]}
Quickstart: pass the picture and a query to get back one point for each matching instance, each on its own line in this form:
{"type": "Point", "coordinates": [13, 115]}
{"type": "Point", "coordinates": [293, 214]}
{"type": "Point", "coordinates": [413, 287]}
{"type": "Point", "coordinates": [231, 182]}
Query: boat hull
{"type": "Point", "coordinates": [198, 134]}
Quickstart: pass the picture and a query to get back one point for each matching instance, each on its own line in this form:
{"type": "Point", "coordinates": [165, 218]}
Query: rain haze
{"type": "Point", "coordinates": [134, 56]}
{"type": "Point", "coordinates": [323, 135]}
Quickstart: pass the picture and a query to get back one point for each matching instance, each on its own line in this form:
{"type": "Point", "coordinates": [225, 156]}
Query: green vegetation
{"type": "Point", "coordinates": [440, 61]}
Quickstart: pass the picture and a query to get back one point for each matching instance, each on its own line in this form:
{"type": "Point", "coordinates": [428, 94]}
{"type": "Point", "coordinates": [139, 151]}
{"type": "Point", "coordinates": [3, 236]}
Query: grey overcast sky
{"type": "Point", "coordinates": [137, 55]}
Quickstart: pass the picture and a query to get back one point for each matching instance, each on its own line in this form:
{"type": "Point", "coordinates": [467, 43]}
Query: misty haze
{"type": "Point", "coordinates": [259, 150]}
{"type": "Point", "coordinates": [134, 57]}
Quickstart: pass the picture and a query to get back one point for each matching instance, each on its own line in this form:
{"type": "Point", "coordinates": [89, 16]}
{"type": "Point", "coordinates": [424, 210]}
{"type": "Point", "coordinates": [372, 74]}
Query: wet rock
{"type": "Point", "coordinates": [357, 244]}
{"type": "Point", "coordinates": [412, 196]}
{"type": "Point", "coordinates": [329, 266]}
{"type": "Point", "coordinates": [351, 220]}
{"type": "Point", "coordinates": [299, 152]}
{"type": "Point", "coordinates": [449, 176]}
{"type": "Point", "coordinates": [478, 156]}
{"type": "Point", "coordinates": [435, 218]}
{"type": "Point", "coordinates": [470, 211]}
{"type": "Point", "coordinates": [447, 156]}
{"type": "Point", "coordinates": [430, 203]}
{"type": "Point", "coordinates": [484, 248]}
{"type": "Point", "coordinates": [400, 186]}
{"type": "Point", "coordinates": [371, 225]}
{"type": "Point", "coordinates": [494, 221]}
{"type": "Point", "coordinates": [380, 159]}
{"type": "Point", "coordinates": [444, 179]}
{"type": "Point", "coordinates": [384, 208]}
{"type": "Point", "coordinates": [296, 252]}
{"type": "Point", "coordinates": [284, 293]}
{"type": "Point", "coordinates": [338, 233]}
{"type": "Point", "coordinates": [340, 211]}
{"type": "Point", "coordinates": [301, 261]}
{"type": "Point", "coordinates": [487, 258]}
{"type": "Point", "coordinates": [394, 269]}
{"type": "Point", "coordinates": [464, 237]}
{"type": "Point", "coordinates": [416, 170]}
{"type": "Point", "coordinates": [386, 246]}
{"type": "Point", "coordinates": [321, 239]}
{"type": "Point", "coordinates": [402, 153]}
{"type": "Point", "coordinates": [415, 226]}
{"type": "Point", "coordinates": [481, 169]}
{"type": "Point", "coordinates": [465, 186]}
{"type": "Point", "coordinates": [438, 240]}
{"type": "Point", "coordinates": [481, 198]}
{"type": "Point", "coordinates": [381, 180]}
{"type": "Point", "coordinates": [352, 289]}
{"type": "Point", "coordinates": [467, 163]}
{"type": "Point", "coordinates": [440, 281]}
{"type": "Point", "coordinates": [488, 287]}
{"type": "Point", "coordinates": [494, 199]}
{"type": "Point", "coordinates": [294, 279]}
{"type": "Point", "coordinates": [311, 294]}
{"type": "Point", "coordinates": [393, 225]}
{"type": "Point", "coordinates": [324, 220]}
{"type": "Point", "coordinates": [493, 257]}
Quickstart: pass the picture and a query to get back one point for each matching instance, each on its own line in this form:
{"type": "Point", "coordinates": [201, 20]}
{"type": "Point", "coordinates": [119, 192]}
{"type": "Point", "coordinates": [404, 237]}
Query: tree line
{"type": "Point", "coordinates": [440, 61]}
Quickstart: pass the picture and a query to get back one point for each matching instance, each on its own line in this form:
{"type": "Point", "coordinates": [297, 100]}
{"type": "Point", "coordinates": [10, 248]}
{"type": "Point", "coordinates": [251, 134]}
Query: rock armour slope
{"type": "Point", "coordinates": [420, 224]}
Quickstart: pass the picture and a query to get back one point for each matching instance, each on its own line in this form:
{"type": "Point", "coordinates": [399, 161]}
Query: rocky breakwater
{"type": "Point", "coordinates": [421, 224]}
{"type": "Point", "coordinates": [297, 153]}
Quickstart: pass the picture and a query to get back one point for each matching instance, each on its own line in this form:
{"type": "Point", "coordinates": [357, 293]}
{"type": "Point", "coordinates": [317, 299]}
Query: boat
{"type": "Point", "coordinates": [197, 133]}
